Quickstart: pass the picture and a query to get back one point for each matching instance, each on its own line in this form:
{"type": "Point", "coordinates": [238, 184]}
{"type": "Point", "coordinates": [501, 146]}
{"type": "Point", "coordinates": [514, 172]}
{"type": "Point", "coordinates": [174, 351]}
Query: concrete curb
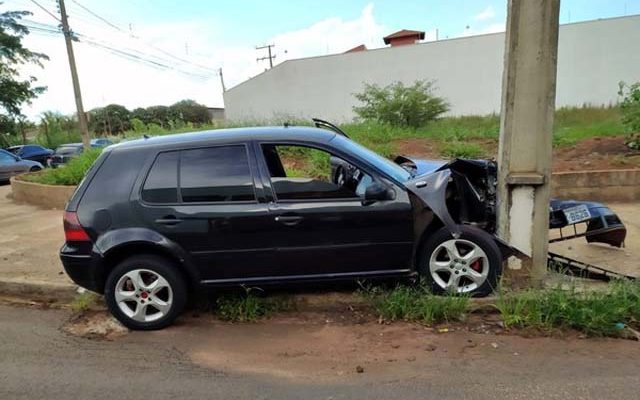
{"type": "Point", "coordinates": [37, 290]}
{"type": "Point", "coordinates": [37, 194]}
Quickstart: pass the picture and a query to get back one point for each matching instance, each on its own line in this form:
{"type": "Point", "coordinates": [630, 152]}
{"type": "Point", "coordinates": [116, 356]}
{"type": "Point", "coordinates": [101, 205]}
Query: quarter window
{"type": "Point", "coordinates": [216, 174]}
{"type": "Point", "coordinates": [161, 185]}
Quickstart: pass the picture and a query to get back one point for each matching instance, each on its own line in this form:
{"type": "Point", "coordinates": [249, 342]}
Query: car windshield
{"type": "Point", "coordinates": [66, 150]}
{"type": "Point", "coordinates": [14, 150]}
{"type": "Point", "coordinates": [385, 165]}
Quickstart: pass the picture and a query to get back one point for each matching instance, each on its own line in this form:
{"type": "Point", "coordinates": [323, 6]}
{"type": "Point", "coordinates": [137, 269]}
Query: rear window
{"type": "Point", "coordinates": [67, 150]}
{"type": "Point", "coordinates": [161, 185]}
{"type": "Point", "coordinates": [215, 174]}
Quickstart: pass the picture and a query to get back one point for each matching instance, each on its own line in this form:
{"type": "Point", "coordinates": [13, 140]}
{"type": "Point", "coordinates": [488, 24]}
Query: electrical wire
{"type": "Point", "coordinates": [45, 10]}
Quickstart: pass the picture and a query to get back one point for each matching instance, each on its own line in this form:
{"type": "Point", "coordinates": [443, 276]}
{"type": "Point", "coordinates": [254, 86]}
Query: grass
{"type": "Point", "coordinates": [248, 306]}
{"type": "Point", "coordinates": [416, 304]}
{"type": "Point", "coordinates": [592, 313]}
{"type": "Point", "coordinates": [462, 150]}
{"type": "Point", "coordinates": [71, 174]}
{"type": "Point", "coordinates": [84, 301]}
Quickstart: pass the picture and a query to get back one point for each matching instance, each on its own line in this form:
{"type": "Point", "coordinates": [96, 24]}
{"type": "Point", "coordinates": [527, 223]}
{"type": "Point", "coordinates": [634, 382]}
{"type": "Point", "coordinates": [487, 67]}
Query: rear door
{"type": "Point", "coordinates": [205, 199]}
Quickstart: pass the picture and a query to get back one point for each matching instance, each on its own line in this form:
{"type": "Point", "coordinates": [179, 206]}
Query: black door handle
{"type": "Point", "coordinates": [288, 220]}
{"type": "Point", "coordinates": [168, 220]}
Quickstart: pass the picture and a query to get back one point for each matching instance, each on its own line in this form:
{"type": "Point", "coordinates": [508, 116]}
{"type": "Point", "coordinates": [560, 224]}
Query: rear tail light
{"type": "Point", "coordinates": [73, 231]}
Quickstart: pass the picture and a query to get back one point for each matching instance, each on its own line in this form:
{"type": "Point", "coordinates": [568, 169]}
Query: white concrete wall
{"type": "Point", "coordinates": [593, 57]}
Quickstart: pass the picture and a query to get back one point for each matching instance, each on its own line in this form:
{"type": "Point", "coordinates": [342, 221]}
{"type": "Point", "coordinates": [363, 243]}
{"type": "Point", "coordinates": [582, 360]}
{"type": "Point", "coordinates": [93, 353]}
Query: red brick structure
{"type": "Point", "coordinates": [404, 37]}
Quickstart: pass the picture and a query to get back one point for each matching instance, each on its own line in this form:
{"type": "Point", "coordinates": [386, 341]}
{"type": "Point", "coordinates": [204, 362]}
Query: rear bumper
{"type": "Point", "coordinates": [84, 268]}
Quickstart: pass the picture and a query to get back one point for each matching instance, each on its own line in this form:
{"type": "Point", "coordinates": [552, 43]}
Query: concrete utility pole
{"type": "Point", "coordinates": [270, 57]}
{"type": "Point", "coordinates": [526, 129]}
{"type": "Point", "coordinates": [82, 118]}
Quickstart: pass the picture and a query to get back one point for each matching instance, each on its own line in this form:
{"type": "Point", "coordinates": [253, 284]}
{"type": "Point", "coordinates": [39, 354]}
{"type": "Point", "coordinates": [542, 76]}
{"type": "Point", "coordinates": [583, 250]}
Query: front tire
{"type": "Point", "coordinates": [145, 292]}
{"type": "Point", "coordinates": [468, 265]}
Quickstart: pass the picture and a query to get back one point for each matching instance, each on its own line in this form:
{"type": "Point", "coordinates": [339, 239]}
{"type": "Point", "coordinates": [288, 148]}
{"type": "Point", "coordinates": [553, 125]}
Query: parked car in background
{"type": "Point", "coordinates": [11, 165]}
{"type": "Point", "coordinates": [66, 152]}
{"type": "Point", "coordinates": [32, 152]}
{"type": "Point", "coordinates": [101, 142]}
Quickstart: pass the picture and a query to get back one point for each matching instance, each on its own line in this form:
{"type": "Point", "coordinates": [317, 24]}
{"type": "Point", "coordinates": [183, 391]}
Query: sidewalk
{"type": "Point", "coordinates": [29, 242]}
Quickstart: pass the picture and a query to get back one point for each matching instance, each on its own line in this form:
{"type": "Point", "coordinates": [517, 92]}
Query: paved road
{"type": "Point", "coordinates": [38, 360]}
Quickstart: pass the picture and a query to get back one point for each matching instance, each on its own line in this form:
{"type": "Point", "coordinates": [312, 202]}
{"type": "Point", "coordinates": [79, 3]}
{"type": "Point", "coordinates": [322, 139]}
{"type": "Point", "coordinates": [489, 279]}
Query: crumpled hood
{"type": "Point", "coordinates": [422, 166]}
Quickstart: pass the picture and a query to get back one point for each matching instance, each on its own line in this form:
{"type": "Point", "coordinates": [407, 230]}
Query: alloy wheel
{"type": "Point", "coordinates": [459, 266]}
{"type": "Point", "coordinates": [143, 295]}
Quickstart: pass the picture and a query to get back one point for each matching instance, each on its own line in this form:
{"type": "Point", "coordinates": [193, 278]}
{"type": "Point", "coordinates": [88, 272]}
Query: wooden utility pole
{"type": "Point", "coordinates": [224, 89]}
{"type": "Point", "coordinates": [82, 118]}
{"type": "Point", "coordinates": [270, 57]}
{"type": "Point", "coordinates": [526, 131]}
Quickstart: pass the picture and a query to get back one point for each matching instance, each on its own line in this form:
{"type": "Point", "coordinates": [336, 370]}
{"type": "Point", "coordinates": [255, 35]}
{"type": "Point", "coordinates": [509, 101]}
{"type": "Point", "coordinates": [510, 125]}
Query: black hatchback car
{"type": "Point", "coordinates": [158, 218]}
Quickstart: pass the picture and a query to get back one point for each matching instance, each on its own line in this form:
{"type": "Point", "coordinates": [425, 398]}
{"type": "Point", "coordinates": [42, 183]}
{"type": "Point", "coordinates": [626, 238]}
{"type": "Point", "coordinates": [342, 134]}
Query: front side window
{"type": "Point", "coordinates": [306, 173]}
{"type": "Point", "coordinates": [216, 174]}
{"type": "Point", "coordinates": [6, 158]}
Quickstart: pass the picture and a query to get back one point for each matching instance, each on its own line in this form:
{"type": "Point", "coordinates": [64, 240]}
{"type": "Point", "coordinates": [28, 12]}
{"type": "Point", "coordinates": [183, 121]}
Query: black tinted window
{"type": "Point", "coordinates": [161, 185]}
{"type": "Point", "coordinates": [216, 174]}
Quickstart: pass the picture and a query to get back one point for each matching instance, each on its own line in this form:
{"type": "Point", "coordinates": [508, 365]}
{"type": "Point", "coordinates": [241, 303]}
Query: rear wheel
{"type": "Point", "coordinates": [470, 264]}
{"type": "Point", "coordinates": [145, 292]}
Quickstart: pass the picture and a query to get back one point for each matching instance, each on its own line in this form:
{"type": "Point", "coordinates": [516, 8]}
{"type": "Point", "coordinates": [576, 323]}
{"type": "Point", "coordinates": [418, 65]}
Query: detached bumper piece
{"type": "Point", "coordinates": [603, 225]}
{"type": "Point", "coordinates": [568, 266]}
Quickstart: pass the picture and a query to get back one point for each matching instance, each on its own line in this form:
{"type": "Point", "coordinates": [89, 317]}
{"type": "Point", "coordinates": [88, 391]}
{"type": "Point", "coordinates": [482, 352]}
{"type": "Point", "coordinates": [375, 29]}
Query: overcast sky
{"type": "Point", "coordinates": [146, 52]}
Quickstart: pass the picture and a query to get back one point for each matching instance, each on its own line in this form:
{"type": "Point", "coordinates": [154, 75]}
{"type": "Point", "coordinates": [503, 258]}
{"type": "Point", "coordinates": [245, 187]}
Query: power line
{"type": "Point", "coordinates": [99, 17]}
{"type": "Point", "coordinates": [51, 31]}
{"type": "Point", "coordinates": [45, 10]}
{"type": "Point", "coordinates": [128, 33]}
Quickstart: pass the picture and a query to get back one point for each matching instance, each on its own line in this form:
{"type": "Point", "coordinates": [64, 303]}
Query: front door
{"type": "Point", "coordinates": [320, 224]}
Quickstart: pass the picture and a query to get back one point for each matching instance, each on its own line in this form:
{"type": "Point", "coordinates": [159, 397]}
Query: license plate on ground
{"type": "Point", "coordinates": [577, 214]}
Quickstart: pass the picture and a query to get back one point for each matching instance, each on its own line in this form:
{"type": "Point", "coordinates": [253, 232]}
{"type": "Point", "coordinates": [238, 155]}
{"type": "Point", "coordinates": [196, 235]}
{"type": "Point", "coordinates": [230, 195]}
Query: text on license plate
{"type": "Point", "coordinates": [577, 214]}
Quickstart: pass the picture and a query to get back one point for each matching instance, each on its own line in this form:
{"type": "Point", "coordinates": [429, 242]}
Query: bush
{"type": "Point", "coordinates": [71, 174]}
{"type": "Point", "coordinates": [630, 105]}
{"type": "Point", "coordinates": [398, 105]}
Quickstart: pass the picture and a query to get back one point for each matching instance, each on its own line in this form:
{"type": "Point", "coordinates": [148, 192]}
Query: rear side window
{"type": "Point", "coordinates": [161, 185]}
{"type": "Point", "coordinates": [215, 174]}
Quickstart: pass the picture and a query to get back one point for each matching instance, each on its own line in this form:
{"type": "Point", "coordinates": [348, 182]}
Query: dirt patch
{"type": "Point", "coordinates": [590, 154]}
{"type": "Point", "coordinates": [94, 325]}
{"type": "Point", "coordinates": [594, 154]}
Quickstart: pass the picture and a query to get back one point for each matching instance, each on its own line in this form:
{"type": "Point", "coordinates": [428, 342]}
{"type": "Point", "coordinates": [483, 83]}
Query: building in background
{"type": "Point", "coordinates": [216, 113]}
{"type": "Point", "coordinates": [593, 57]}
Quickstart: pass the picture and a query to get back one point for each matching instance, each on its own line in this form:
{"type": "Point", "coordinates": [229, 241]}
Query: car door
{"type": "Point", "coordinates": [9, 165]}
{"type": "Point", "coordinates": [321, 229]}
{"type": "Point", "coordinates": [205, 200]}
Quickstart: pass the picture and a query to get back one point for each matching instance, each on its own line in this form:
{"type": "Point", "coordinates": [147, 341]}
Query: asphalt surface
{"type": "Point", "coordinates": [38, 361]}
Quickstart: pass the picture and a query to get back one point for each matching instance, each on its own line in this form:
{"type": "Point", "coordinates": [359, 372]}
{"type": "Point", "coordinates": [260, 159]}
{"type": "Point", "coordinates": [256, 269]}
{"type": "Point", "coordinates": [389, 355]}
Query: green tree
{"type": "Point", "coordinates": [400, 105]}
{"type": "Point", "coordinates": [191, 111]}
{"type": "Point", "coordinates": [112, 119]}
{"type": "Point", "coordinates": [630, 107]}
{"type": "Point", "coordinates": [14, 91]}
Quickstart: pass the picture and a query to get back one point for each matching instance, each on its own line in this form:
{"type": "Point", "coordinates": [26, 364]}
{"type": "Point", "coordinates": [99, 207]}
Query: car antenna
{"type": "Point", "coordinates": [319, 123]}
{"type": "Point", "coordinates": [287, 124]}
{"type": "Point", "coordinates": [146, 136]}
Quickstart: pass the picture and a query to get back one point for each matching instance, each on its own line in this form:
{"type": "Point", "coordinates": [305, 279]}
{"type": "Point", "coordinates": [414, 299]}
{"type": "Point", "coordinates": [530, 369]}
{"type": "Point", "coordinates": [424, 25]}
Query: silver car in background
{"type": "Point", "coordinates": [11, 165]}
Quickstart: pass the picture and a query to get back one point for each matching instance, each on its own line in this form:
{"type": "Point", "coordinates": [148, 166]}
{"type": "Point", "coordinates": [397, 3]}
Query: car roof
{"type": "Point", "coordinates": [267, 133]}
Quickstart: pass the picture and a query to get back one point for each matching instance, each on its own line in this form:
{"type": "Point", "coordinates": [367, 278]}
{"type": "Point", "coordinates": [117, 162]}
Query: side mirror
{"type": "Point", "coordinates": [376, 192]}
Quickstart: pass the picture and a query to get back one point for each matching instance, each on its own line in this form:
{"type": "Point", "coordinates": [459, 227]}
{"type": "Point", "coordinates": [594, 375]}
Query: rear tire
{"type": "Point", "coordinates": [35, 169]}
{"type": "Point", "coordinates": [468, 265]}
{"type": "Point", "coordinates": [145, 292]}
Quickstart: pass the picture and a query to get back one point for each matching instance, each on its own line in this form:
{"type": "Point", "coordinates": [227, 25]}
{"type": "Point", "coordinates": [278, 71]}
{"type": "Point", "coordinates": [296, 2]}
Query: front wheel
{"type": "Point", "coordinates": [145, 292]}
{"type": "Point", "coordinates": [470, 264]}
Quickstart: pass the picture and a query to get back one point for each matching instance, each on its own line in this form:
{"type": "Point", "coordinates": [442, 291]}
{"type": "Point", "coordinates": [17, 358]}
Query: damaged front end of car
{"type": "Point", "coordinates": [464, 192]}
